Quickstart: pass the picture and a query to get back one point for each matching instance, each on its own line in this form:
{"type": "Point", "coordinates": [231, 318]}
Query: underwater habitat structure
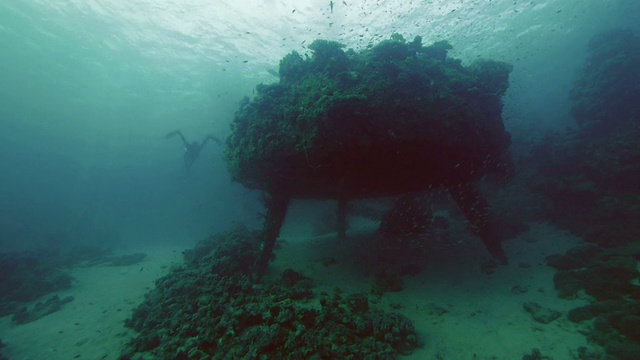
{"type": "Point", "coordinates": [374, 180]}
{"type": "Point", "coordinates": [394, 119]}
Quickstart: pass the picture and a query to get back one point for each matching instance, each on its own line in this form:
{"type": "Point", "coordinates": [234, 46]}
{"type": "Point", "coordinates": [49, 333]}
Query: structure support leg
{"type": "Point", "coordinates": [342, 219]}
{"type": "Point", "coordinates": [276, 211]}
{"type": "Point", "coordinates": [477, 210]}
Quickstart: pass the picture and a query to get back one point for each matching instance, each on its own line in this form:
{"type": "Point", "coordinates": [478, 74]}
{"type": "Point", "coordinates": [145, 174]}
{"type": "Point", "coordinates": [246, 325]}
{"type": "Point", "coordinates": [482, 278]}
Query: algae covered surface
{"type": "Point", "coordinates": [337, 122]}
{"type": "Point", "coordinates": [211, 307]}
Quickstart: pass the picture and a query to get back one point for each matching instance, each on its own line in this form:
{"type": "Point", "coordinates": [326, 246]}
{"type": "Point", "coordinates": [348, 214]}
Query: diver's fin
{"type": "Point", "coordinates": [176, 132]}
{"type": "Point", "coordinates": [170, 134]}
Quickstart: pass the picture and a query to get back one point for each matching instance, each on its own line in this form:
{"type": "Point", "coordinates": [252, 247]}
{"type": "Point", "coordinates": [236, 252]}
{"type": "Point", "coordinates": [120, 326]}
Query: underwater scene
{"type": "Point", "coordinates": [360, 179]}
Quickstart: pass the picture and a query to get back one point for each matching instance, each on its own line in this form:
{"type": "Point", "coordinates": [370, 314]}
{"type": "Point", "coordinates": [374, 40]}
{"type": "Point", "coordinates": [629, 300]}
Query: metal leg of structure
{"type": "Point", "coordinates": [477, 210]}
{"type": "Point", "coordinates": [342, 219]}
{"type": "Point", "coordinates": [276, 212]}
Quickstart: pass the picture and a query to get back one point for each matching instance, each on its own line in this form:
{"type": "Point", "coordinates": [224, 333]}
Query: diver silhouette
{"type": "Point", "coordinates": [192, 149]}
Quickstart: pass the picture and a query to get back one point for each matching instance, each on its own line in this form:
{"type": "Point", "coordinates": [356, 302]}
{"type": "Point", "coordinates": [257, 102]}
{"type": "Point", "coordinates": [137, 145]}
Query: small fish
{"type": "Point", "coordinates": [142, 268]}
{"type": "Point", "coordinates": [331, 6]}
{"type": "Point", "coordinates": [292, 11]}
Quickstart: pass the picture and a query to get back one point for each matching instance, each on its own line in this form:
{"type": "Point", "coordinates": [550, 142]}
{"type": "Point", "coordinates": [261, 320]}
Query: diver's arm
{"type": "Point", "coordinates": [177, 132]}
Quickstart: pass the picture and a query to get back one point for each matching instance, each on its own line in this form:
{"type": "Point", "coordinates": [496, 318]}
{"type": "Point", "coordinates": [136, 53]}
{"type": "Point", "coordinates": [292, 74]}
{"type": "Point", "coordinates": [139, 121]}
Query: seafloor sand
{"type": "Point", "coordinates": [459, 311]}
{"type": "Point", "coordinates": [92, 325]}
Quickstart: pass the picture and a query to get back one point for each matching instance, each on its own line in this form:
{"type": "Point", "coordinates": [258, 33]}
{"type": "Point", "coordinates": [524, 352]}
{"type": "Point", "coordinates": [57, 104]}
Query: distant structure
{"type": "Point", "coordinates": [397, 118]}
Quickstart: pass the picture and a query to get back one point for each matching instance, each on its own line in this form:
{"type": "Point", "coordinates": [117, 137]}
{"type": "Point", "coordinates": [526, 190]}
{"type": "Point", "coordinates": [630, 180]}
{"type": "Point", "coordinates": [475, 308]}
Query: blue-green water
{"type": "Point", "coordinates": [88, 89]}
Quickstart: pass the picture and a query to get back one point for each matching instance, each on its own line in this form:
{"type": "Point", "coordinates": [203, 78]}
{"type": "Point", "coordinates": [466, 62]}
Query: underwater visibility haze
{"type": "Point", "coordinates": [319, 179]}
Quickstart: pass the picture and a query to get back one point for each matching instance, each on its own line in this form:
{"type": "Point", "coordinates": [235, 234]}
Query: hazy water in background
{"type": "Point", "coordinates": [88, 89]}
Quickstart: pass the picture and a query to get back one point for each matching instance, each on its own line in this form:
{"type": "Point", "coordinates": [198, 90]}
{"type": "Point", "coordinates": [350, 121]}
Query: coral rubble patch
{"type": "Point", "coordinates": [212, 307]}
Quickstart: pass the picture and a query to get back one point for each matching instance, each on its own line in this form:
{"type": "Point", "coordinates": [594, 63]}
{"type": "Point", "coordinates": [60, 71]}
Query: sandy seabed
{"type": "Point", "coordinates": [92, 325]}
{"type": "Point", "coordinates": [459, 311]}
